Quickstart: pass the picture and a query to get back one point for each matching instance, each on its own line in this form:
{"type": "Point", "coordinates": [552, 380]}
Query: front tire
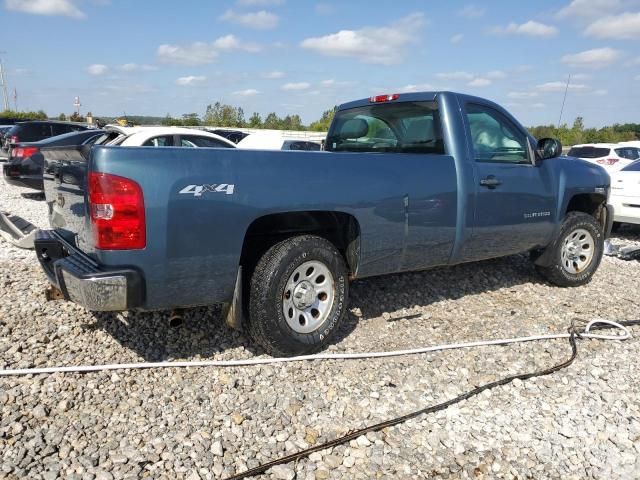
{"type": "Point", "coordinates": [298, 296]}
{"type": "Point", "coordinates": [577, 252]}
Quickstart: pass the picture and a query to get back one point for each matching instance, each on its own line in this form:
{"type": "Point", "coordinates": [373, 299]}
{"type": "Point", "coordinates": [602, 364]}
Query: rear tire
{"type": "Point", "coordinates": [298, 296]}
{"type": "Point", "coordinates": [577, 252]}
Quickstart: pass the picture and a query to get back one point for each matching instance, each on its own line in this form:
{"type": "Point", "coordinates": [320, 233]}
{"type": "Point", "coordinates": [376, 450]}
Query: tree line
{"type": "Point", "coordinates": [229, 116]}
{"type": "Point", "coordinates": [223, 115]}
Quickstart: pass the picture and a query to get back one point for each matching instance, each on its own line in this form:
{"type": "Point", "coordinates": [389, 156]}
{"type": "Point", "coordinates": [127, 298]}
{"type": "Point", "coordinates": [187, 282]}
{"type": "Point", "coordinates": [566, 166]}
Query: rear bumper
{"type": "Point", "coordinates": [85, 282]}
{"type": "Point", "coordinates": [13, 176]}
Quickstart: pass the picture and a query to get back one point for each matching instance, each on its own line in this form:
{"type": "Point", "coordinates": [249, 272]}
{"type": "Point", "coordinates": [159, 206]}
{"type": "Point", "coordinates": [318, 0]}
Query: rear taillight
{"type": "Point", "coordinates": [116, 206]}
{"type": "Point", "coordinates": [608, 161]}
{"type": "Point", "coordinates": [24, 152]}
{"type": "Point", "coordinates": [384, 98]}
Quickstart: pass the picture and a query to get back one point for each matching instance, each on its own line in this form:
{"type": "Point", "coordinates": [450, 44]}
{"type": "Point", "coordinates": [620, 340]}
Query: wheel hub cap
{"type": "Point", "coordinates": [304, 295]}
{"type": "Point", "coordinates": [578, 251]}
{"type": "Point", "coordinates": [308, 297]}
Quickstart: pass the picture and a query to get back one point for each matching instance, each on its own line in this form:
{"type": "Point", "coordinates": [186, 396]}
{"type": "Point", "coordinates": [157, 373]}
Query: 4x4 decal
{"type": "Point", "coordinates": [198, 190]}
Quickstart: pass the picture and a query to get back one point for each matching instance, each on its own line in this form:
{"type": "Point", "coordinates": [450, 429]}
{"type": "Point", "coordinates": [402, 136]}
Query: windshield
{"type": "Point", "coordinates": [404, 127]}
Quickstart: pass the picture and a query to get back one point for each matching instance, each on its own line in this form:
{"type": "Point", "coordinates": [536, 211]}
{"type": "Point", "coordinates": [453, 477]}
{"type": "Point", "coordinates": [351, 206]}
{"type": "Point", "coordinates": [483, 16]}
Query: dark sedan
{"type": "Point", "coordinates": [24, 167]}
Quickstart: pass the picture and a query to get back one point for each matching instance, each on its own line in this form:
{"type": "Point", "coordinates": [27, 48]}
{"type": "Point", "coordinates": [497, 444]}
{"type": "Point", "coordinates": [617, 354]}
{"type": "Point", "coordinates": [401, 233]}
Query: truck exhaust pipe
{"type": "Point", "coordinates": [176, 319]}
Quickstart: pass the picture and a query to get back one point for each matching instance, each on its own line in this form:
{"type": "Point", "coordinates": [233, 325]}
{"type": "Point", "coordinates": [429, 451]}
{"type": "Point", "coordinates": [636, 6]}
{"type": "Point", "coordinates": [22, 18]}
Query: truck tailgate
{"type": "Point", "coordinates": [64, 177]}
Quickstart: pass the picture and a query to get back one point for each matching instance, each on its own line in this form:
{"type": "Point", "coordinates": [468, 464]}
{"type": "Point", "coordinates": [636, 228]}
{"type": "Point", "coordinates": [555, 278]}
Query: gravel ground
{"type": "Point", "coordinates": [201, 423]}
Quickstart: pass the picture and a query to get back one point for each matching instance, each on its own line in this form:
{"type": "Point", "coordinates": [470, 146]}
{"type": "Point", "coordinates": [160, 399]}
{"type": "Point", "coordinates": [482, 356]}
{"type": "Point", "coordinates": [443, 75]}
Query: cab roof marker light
{"type": "Point", "coordinates": [384, 98]}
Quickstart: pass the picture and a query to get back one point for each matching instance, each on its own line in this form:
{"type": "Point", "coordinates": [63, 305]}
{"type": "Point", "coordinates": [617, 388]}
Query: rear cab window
{"type": "Point", "coordinates": [402, 127]}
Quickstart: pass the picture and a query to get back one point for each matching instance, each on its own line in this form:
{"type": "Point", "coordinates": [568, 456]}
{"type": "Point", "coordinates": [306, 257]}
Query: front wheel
{"type": "Point", "coordinates": [577, 252]}
{"type": "Point", "coordinates": [298, 296]}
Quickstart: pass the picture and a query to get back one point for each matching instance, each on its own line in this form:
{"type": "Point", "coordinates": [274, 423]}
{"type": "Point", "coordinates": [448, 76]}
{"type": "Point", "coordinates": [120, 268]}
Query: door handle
{"type": "Point", "coordinates": [490, 182]}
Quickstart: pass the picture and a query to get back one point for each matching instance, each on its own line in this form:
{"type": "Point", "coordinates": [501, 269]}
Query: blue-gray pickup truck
{"type": "Point", "coordinates": [406, 182]}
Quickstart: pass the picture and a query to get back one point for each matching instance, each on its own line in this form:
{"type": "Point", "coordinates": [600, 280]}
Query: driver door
{"type": "Point", "coordinates": [514, 197]}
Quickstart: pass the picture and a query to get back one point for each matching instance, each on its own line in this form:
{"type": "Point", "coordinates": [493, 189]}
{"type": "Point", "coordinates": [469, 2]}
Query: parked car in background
{"type": "Point", "coordinates": [172, 137]}
{"type": "Point", "coordinates": [24, 166]}
{"type": "Point", "coordinates": [625, 194]}
{"type": "Point", "coordinates": [35, 131]}
{"type": "Point", "coordinates": [276, 141]}
{"type": "Point", "coordinates": [234, 135]}
{"type": "Point", "coordinates": [612, 156]}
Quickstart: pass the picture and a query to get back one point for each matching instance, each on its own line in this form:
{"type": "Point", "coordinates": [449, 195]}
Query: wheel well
{"type": "Point", "coordinates": [590, 203]}
{"type": "Point", "coordinates": [339, 228]}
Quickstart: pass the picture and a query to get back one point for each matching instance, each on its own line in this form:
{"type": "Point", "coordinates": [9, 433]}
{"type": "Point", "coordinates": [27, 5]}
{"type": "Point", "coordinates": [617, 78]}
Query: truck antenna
{"type": "Point", "coordinates": [564, 100]}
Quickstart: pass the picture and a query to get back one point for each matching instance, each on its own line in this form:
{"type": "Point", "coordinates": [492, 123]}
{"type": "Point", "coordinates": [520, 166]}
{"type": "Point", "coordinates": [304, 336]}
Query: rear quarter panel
{"type": "Point", "coordinates": [194, 242]}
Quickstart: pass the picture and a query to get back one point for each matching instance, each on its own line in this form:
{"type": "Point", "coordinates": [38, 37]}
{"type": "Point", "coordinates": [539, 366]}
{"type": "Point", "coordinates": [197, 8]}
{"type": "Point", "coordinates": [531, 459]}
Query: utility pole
{"type": "Point", "coordinates": [566, 90]}
{"type": "Point", "coordinates": [77, 104]}
{"type": "Point", "coordinates": [3, 84]}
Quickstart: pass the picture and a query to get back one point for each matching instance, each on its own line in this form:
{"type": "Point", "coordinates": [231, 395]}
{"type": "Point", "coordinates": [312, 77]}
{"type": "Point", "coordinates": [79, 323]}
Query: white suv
{"type": "Point", "coordinates": [612, 156]}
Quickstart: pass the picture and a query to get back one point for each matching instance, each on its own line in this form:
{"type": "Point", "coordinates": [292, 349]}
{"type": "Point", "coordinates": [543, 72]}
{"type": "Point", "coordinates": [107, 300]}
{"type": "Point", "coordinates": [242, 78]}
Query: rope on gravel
{"type": "Point", "coordinates": [572, 335]}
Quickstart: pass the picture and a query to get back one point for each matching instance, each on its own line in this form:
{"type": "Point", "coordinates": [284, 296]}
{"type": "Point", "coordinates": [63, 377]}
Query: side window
{"type": "Point", "coordinates": [495, 138]}
{"type": "Point", "coordinates": [202, 142]}
{"type": "Point", "coordinates": [58, 129]}
{"type": "Point", "coordinates": [163, 141]}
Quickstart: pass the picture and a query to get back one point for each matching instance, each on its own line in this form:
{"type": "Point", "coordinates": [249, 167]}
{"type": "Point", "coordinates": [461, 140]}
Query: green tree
{"type": "Point", "coordinates": [62, 117]}
{"type": "Point", "coordinates": [170, 121]}
{"type": "Point", "coordinates": [272, 121]}
{"type": "Point", "coordinates": [191, 119]}
{"type": "Point", "coordinates": [255, 121]}
{"type": "Point", "coordinates": [323, 124]}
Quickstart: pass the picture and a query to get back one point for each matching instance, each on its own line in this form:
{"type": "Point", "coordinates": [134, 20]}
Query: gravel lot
{"type": "Point", "coordinates": [201, 423]}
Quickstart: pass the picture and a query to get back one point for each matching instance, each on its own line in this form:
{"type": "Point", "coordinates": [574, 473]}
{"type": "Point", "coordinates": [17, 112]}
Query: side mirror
{"type": "Point", "coordinates": [548, 148]}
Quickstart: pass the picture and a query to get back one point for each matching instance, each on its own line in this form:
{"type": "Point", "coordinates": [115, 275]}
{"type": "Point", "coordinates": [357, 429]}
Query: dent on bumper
{"type": "Point", "coordinates": [85, 282]}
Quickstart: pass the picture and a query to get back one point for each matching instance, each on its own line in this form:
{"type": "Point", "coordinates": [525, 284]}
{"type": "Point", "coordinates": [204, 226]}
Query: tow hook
{"type": "Point", "coordinates": [53, 293]}
{"type": "Point", "coordinates": [176, 318]}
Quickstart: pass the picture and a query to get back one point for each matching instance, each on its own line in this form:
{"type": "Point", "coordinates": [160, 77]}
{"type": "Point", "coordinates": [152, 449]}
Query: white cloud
{"type": "Point", "coordinates": [522, 94]}
{"type": "Point", "coordinates": [191, 80]}
{"type": "Point", "coordinates": [260, 3]}
{"type": "Point", "coordinates": [134, 67]}
{"type": "Point", "coordinates": [589, 8]}
{"type": "Point", "coordinates": [561, 86]}
{"type": "Point", "coordinates": [580, 76]}
{"type": "Point", "coordinates": [295, 86]}
{"type": "Point", "coordinates": [530, 28]}
{"type": "Point", "coordinates": [601, 92]}
{"type": "Point", "coordinates": [456, 39]}
{"type": "Point", "coordinates": [596, 58]}
{"type": "Point", "coordinates": [455, 76]}
{"type": "Point", "coordinates": [379, 45]}
{"type": "Point", "coordinates": [538, 105]}
{"type": "Point", "coordinates": [261, 20]}
{"type": "Point", "coordinates": [621, 27]}
{"type": "Point", "coordinates": [496, 75]}
{"type": "Point", "coordinates": [97, 69]}
{"type": "Point", "coordinates": [200, 53]}
{"type": "Point", "coordinates": [471, 11]}
{"type": "Point", "coordinates": [633, 62]}
{"type": "Point", "coordinates": [66, 8]}
{"type": "Point", "coordinates": [246, 93]}
{"type": "Point", "coordinates": [230, 42]}
{"type": "Point", "coordinates": [479, 82]}
{"type": "Point", "coordinates": [328, 83]}
{"type": "Point", "coordinates": [273, 74]}
{"type": "Point", "coordinates": [422, 87]}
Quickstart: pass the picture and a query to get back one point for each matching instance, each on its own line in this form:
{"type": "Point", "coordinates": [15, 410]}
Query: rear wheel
{"type": "Point", "coordinates": [298, 296]}
{"type": "Point", "coordinates": [577, 252]}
